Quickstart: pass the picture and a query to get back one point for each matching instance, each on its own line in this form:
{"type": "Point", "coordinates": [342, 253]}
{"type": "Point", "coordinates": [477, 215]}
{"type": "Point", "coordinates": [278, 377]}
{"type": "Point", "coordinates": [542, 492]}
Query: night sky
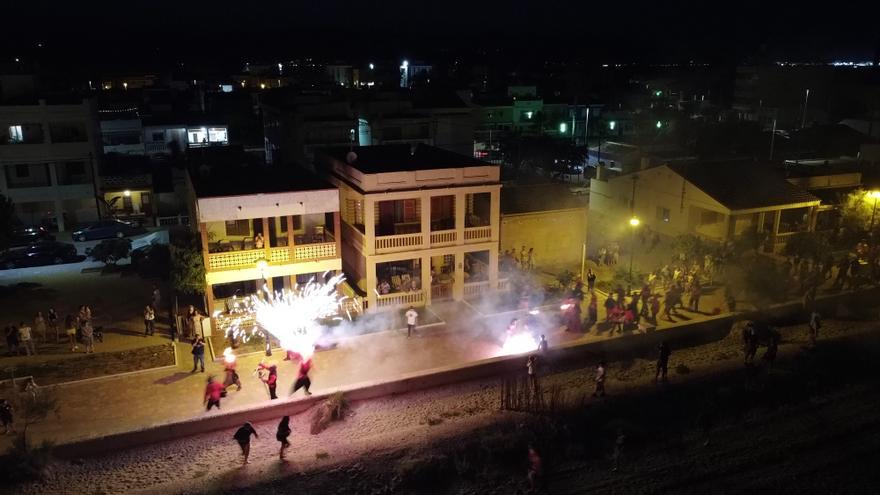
{"type": "Point", "coordinates": [658, 31]}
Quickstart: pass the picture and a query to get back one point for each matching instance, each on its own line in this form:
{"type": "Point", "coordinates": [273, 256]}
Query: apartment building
{"type": "Point", "coordinates": [419, 223]}
{"type": "Point", "coordinates": [48, 155]}
{"type": "Point", "coordinates": [263, 225]}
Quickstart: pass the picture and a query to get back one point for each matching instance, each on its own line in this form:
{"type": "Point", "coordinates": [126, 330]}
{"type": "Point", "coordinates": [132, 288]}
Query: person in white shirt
{"type": "Point", "coordinates": [24, 337]}
{"type": "Point", "coordinates": [412, 317]}
{"type": "Point", "coordinates": [149, 320]}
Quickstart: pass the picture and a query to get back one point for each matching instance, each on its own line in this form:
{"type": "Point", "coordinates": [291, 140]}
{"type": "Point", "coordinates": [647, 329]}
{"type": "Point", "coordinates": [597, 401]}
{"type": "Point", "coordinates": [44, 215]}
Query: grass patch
{"type": "Point", "coordinates": [321, 455]}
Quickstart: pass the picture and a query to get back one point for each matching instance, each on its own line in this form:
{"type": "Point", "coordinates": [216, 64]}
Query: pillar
{"type": "Point", "coordinates": [290, 239]}
{"type": "Point", "coordinates": [458, 282]}
{"type": "Point", "coordinates": [493, 269]}
{"type": "Point", "coordinates": [203, 235]}
{"type": "Point", "coordinates": [495, 213]}
{"type": "Point", "coordinates": [460, 210]}
{"type": "Point", "coordinates": [425, 203]}
{"type": "Point", "coordinates": [59, 214]}
{"type": "Point", "coordinates": [370, 228]}
{"type": "Point", "coordinates": [337, 233]}
{"type": "Point", "coordinates": [426, 278]}
{"type": "Point", "coordinates": [371, 283]}
{"type": "Point", "coordinates": [267, 249]}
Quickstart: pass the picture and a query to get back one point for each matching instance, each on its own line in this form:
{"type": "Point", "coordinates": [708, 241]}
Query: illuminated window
{"type": "Point", "coordinates": [217, 135]}
{"type": "Point", "coordinates": [15, 134]}
{"type": "Point", "coordinates": [197, 136]}
{"type": "Point", "coordinates": [663, 214]}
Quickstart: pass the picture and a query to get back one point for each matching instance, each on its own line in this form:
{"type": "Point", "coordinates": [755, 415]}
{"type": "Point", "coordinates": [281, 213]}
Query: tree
{"type": "Point", "coordinates": [187, 266]}
{"type": "Point", "coordinates": [807, 245]}
{"type": "Point", "coordinates": [23, 461]}
{"type": "Point", "coordinates": [109, 251]}
{"type": "Point", "coordinates": [7, 221]}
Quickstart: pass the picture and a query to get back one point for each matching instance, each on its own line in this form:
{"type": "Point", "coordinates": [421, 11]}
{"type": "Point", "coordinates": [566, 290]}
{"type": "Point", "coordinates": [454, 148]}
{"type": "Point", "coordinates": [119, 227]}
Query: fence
{"type": "Point", "coordinates": [172, 221]}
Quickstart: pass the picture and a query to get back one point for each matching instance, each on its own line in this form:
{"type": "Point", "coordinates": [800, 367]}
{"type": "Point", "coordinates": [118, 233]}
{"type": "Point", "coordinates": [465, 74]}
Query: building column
{"type": "Point", "coordinates": [493, 269]}
{"type": "Point", "coordinates": [371, 283]}
{"type": "Point", "coordinates": [495, 213]}
{"type": "Point", "coordinates": [776, 220]}
{"type": "Point", "coordinates": [814, 214]}
{"type": "Point", "coordinates": [203, 235]}
{"type": "Point", "coordinates": [290, 239]}
{"type": "Point", "coordinates": [760, 222]}
{"type": "Point", "coordinates": [369, 228]}
{"type": "Point", "coordinates": [460, 209]}
{"type": "Point", "coordinates": [458, 278]}
{"type": "Point", "coordinates": [266, 248]}
{"type": "Point", "coordinates": [426, 278]}
{"type": "Point", "coordinates": [337, 232]}
{"type": "Point", "coordinates": [425, 200]}
{"type": "Point", "coordinates": [209, 300]}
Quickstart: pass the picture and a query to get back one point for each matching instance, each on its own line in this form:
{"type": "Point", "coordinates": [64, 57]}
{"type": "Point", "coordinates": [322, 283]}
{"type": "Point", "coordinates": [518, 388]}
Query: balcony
{"type": "Point", "coordinates": [400, 299]}
{"type": "Point", "coordinates": [443, 238]}
{"type": "Point", "coordinates": [476, 289]}
{"type": "Point", "coordinates": [277, 255]}
{"type": "Point", "coordinates": [477, 234]}
{"type": "Point", "coordinates": [403, 242]}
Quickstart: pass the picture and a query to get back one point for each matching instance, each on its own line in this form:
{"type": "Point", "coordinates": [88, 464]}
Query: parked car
{"type": "Point", "coordinates": [25, 236]}
{"type": "Point", "coordinates": [39, 254]}
{"type": "Point", "coordinates": [106, 229]}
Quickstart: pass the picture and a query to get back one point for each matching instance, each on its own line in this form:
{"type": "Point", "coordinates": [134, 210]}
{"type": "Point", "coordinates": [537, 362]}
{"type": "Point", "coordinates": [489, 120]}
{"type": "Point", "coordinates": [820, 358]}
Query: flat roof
{"type": "Point", "coordinates": [244, 181]}
{"type": "Point", "coordinates": [401, 158]}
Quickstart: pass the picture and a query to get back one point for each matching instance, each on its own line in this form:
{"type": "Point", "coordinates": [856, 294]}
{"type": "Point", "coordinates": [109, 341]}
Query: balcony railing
{"type": "Point", "coordinates": [277, 255]}
{"type": "Point", "coordinates": [401, 242]}
{"type": "Point", "coordinates": [353, 235]}
{"type": "Point", "coordinates": [443, 237]}
{"type": "Point", "coordinates": [441, 291]}
{"type": "Point", "coordinates": [157, 147]}
{"type": "Point", "coordinates": [399, 299]}
{"type": "Point", "coordinates": [476, 234]}
{"type": "Point", "coordinates": [503, 284]}
{"type": "Point", "coordinates": [475, 289]}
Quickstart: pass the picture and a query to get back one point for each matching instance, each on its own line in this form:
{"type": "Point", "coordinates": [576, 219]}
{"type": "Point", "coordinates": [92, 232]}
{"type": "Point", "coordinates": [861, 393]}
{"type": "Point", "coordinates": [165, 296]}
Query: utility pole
{"type": "Point", "coordinates": [772, 139]}
{"type": "Point", "coordinates": [804, 116]}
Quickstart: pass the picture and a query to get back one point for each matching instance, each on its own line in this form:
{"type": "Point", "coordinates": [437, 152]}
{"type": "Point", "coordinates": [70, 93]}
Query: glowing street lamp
{"type": "Point", "coordinates": [611, 125]}
{"type": "Point", "coordinates": [634, 223]}
{"type": "Point", "coordinates": [563, 127]}
{"type": "Point", "coordinates": [876, 195]}
{"type": "Point", "coordinates": [659, 124]}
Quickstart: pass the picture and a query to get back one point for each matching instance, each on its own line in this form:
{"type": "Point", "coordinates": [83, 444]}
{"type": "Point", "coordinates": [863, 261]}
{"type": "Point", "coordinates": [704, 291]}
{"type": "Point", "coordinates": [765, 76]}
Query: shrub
{"type": "Point", "coordinates": [23, 462]}
{"type": "Point", "coordinates": [109, 251]}
{"type": "Point", "coordinates": [331, 409]}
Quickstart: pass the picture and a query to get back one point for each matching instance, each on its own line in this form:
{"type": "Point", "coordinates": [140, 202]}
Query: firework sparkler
{"type": "Point", "coordinates": [291, 315]}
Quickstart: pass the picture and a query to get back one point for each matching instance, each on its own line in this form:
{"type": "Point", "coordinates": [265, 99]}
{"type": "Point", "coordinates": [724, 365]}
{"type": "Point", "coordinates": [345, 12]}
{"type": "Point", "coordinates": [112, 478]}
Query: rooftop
{"type": "Point", "coordinates": [247, 180]}
{"type": "Point", "coordinates": [742, 185]}
{"type": "Point", "coordinates": [401, 158]}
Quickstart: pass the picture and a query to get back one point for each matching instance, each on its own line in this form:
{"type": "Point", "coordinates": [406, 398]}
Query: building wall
{"type": "Point", "coordinates": [557, 236]}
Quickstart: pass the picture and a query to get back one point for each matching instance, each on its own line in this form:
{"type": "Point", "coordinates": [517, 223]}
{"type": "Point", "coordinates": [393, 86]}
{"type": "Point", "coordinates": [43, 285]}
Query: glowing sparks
{"type": "Point", "coordinates": [519, 343]}
{"type": "Point", "coordinates": [291, 316]}
{"type": "Point", "coordinates": [566, 307]}
{"type": "Point", "coordinates": [228, 356]}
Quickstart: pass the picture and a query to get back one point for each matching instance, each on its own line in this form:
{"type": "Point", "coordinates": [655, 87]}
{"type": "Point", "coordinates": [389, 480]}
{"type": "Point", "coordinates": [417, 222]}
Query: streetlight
{"type": "Point", "coordinates": [876, 195]}
{"type": "Point", "coordinates": [634, 223]}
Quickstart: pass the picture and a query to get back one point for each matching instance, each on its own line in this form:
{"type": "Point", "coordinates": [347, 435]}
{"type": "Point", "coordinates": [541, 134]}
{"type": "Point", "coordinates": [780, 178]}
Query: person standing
{"type": "Point", "coordinates": [149, 320]}
{"type": "Point", "coordinates": [52, 319]}
{"type": "Point", "coordinates": [696, 292]}
{"type": "Point", "coordinates": [6, 416]}
{"type": "Point", "coordinates": [157, 298]}
{"type": "Point", "coordinates": [600, 380]}
{"type": "Point", "coordinates": [750, 342]}
{"type": "Point", "coordinates": [213, 393]}
{"type": "Point", "coordinates": [302, 380]}
{"type": "Point", "coordinates": [815, 325]}
{"type": "Point", "coordinates": [591, 280]}
{"type": "Point", "coordinates": [271, 380]}
{"type": "Point", "coordinates": [88, 336]}
{"type": "Point", "coordinates": [543, 345]}
{"type": "Point", "coordinates": [243, 437]}
{"type": "Point", "coordinates": [198, 352]}
{"type": "Point", "coordinates": [12, 342]}
{"type": "Point", "coordinates": [25, 339]}
{"type": "Point", "coordinates": [282, 434]}
{"type": "Point", "coordinates": [535, 474]}
{"type": "Point", "coordinates": [40, 327]}
{"type": "Point", "coordinates": [231, 377]}
{"type": "Point", "coordinates": [663, 353]}
{"type": "Point", "coordinates": [609, 308]}
{"type": "Point", "coordinates": [531, 369]}
{"type": "Point", "coordinates": [592, 309]}
{"type": "Point", "coordinates": [655, 307]}
{"type": "Point", "coordinates": [412, 318]}
{"type": "Point", "coordinates": [70, 330]}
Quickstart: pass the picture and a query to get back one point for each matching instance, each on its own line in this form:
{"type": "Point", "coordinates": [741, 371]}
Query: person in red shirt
{"type": "Point", "coordinates": [302, 379]}
{"type": "Point", "coordinates": [213, 393]}
{"type": "Point", "coordinates": [271, 380]}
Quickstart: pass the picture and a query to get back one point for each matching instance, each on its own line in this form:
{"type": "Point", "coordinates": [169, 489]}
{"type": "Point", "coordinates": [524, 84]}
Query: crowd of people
{"type": "Point", "coordinates": [523, 260]}
{"type": "Point", "coordinates": [23, 338]}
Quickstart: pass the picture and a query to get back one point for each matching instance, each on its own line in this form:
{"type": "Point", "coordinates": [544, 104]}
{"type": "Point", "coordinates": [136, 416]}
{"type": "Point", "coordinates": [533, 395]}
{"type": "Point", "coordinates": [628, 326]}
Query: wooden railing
{"type": "Point", "coordinates": [277, 255]}
{"type": "Point", "coordinates": [474, 234]}
{"type": "Point", "coordinates": [401, 242]}
{"type": "Point", "coordinates": [443, 237]}
{"type": "Point", "coordinates": [235, 259]}
{"type": "Point", "coordinates": [399, 299]}
{"type": "Point", "coordinates": [503, 284]}
{"type": "Point", "coordinates": [474, 289]}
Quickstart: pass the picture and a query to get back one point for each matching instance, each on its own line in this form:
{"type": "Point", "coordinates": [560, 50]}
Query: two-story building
{"type": "Point", "coordinates": [48, 155]}
{"type": "Point", "coordinates": [419, 223]}
{"type": "Point", "coordinates": [263, 225]}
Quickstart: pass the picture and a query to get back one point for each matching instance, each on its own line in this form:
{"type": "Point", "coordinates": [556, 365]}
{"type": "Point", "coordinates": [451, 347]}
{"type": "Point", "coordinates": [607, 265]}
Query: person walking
{"type": "Point", "coordinates": [609, 308]}
{"type": "Point", "coordinates": [52, 320]}
{"type": "Point", "coordinates": [40, 327]}
{"type": "Point", "coordinates": [412, 318]}
{"type": "Point", "coordinates": [243, 437]}
{"type": "Point", "coordinates": [750, 342]}
{"type": "Point", "coordinates": [25, 339]}
{"type": "Point", "coordinates": [12, 342]}
{"type": "Point", "coordinates": [532, 371]}
{"type": "Point", "coordinates": [535, 473]}
{"type": "Point", "coordinates": [663, 353]}
{"type": "Point", "coordinates": [591, 280]}
{"type": "Point", "coordinates": [600, 380]}
{"type": "Point", "coordinates": [815, 325]}
{"type": "Point", "coordinates": [696, 292]}
{"type": "Point", "coordinates": [88, 336]}
{"type": "Point", "coordinates": [302, 380]}
{"type": "Point", "coordinates": [772, 347]}
{"type": "Point", "coordinates": [655, 307]}
{"type": "Point", "coordinates": [271, 380]}
{"type": "Point", "coordinates": [6, 416]}
{"type": "Point", "coordinates": [282, 434]}
{"type": "Point", "coordinates": [214, 391]}
{"type": "Point", "coordinates": [592, 309]}
{"type": "Point", "coordinates": [70, 330]}
{"type": "Point", "coordinates": [543, 345]}
{"type": "Point", "coordinates": [198, 352]}
{"type": "Point", "coordinates": [149, 320]}
{"type": "Point", "coordinates": [231, 377]}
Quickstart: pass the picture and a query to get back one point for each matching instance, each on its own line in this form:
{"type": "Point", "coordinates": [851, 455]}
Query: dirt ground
{"type": "Point", "coordinates": [717, 427]}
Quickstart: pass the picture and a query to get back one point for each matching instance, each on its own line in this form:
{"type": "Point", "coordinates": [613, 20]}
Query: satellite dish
{"type": "Point", "coordinates": [351, 157]}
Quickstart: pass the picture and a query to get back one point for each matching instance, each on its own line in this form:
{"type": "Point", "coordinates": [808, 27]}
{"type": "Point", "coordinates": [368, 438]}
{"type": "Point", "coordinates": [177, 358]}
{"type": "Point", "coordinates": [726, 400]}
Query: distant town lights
{"type": "Point", "coordinates": [659, 124]}
{"type": "Point", "coordinates": [612, 124]}
{"type": "Point", "coordinates": [372, 66]}
{"type": "Point", "coordinates": [563, 127]}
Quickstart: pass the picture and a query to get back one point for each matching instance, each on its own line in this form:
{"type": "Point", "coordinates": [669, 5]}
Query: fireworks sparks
{"type": "Point", "coordinates": [291, 316]}
{"type": "Point", "coordinates": [228, 356]}
{"type": "Point", "coordinates": [519, 343]}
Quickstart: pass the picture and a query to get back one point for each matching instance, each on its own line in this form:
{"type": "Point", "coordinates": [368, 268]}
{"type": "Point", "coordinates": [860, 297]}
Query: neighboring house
{"type": "Point", "coordinates": [48, 155]}
{"type": "Point", "coordinates": [296, 214]}
{"type": "Point", "coordinates": [122, 131]}
{"type": "Point", "coordinates": [549, 219]}
{"type": "Point", "coordinates": [167, 135]}
{"type": "Point", "coordinates": [716, 201]}
{"type": "Point", "coordinates": [419, 223]}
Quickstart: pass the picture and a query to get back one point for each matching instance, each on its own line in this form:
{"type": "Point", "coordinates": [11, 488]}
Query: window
{"type": "Point", "coordinates": [217, 135]}
{"type": "Point", "coordinates": [15, 134]}
{"type": "Point", "coordinates": [158, 136]}
{"type": "Point", "coordinates": [22, 171]}
{"type": "Point", "coordinates": [709, 217]}
{"type": "Point", "coordinates": [663, 214]}
{"type": "Point", "coordinates": [238, 227]}
{"type": "Point", "coordinates": [197, 136]}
